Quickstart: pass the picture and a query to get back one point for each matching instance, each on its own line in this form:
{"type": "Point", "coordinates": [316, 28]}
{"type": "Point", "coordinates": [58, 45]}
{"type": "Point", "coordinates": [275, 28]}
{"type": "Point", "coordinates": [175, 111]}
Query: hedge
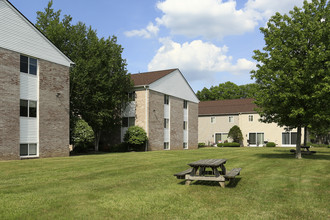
{"type": "Point", "coordinates": [270, 144]}
{"type": "Point", "coordinates": [232, 144]}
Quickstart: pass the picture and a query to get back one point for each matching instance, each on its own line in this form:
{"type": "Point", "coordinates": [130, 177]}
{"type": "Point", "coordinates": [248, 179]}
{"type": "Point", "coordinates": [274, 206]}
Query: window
{"type": "Point", "coordinates": [166, 99]}
{"type": "Point", "coordinates": [28, 65]}
{"type": "Point", "coordinates": [185, 104]}
{"type": "Point", "coordinates": [28, 149]}
{"type": "Point", "coordinates": [166, 122]}
{"type": "Point", "coordinates": [28, 108]}
{"type": "Point", "coordinates": [212, 119]}
{"type": "Point", "coordinates": [289, 138]}
{"type": "Point", "coordinates": [166, 145]}
{"type": "Point", "coordinates": [231, 119]}
{"type": "Point", "coordinates": [256, 139]}
{"type": "Point", "coordinates": [185, 125]}
{"type": "Point", "coordinates": [221, 137]}
{"type": "Point", "coordinates": [128, 122]}
{"type": "Point", "coordinates": [250, 117]}
{"type": "Point", "coordinates": [131, 96]}
{"type": "Point", "coordinates": [185, 145]}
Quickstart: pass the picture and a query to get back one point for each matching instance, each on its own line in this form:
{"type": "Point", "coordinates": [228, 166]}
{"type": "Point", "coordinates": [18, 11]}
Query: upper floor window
{"type": "Point", "coordinates": [166, 99]}
{"type": "Point", "coordinates": [28, 108]}
{"type": "Point", "coordinates": [131, 96]}
{"type": "Point", "coordinates": [231, 119]}
{"type": "Point", "coordinates": [212, 119]}
{"type": "Point", "coordinates": [28, 65]}
{"type": "Point", "coordinates": [185, 104]}
{"type": "Point", "coordinates": [250, 117]}
{"type": "Point", "coordinates": [128, 122]}
{"type": "Point", "coordinates": [166, 122]}
{"type": "Point", "coordinates": [185, 125]}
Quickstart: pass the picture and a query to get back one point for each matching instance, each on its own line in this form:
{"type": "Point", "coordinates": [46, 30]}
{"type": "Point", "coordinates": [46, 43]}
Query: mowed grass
{"type": "Point", "coordinates": [272, 185]}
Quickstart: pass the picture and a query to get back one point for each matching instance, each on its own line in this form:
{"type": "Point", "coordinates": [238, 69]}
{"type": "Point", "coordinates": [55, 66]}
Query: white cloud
{"type": "Point", "coordinates": [148, 32]}
{"type": "Point", "coordinates": [199, 60]}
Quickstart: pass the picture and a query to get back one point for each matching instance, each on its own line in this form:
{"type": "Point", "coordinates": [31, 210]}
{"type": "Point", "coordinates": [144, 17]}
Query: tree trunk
{"type": "Point", "coordinates": [97, 135]}
{"type": "Point", "coordinates": [298, 149]}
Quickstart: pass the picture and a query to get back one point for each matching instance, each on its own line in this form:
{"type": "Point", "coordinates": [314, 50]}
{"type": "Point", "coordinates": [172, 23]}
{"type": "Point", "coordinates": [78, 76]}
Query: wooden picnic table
{"type": "Point", "coordinates": [200, 171]}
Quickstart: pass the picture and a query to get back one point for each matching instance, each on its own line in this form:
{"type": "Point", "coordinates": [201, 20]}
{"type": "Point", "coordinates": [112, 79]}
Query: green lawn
{"type": "Point", "coordinates": [272, 185]}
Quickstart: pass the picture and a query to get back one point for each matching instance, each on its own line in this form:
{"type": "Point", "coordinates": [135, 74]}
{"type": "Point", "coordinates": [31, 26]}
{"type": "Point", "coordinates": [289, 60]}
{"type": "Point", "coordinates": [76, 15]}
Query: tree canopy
{"type": "Point", "coordinates": [294, 68]}
{"type": "Point", "coordinates": [227, 90]}
{"type": "Point", "coordinates": [99, 82]}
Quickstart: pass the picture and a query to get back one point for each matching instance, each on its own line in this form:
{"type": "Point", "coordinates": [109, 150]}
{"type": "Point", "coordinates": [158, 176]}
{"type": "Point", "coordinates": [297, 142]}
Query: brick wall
{"type": "Point", "coordinates": [53, 109]}
{"type": "Point", "coordinates": [9, 104]}
{"type": "Point", "coordinates": [176, 123]}
{"type": "Point", "coordinates": [192, 125]}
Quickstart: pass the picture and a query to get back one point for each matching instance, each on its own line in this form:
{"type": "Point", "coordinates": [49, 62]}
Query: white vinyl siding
{"type": "Point", "coordinates": [18, 30]}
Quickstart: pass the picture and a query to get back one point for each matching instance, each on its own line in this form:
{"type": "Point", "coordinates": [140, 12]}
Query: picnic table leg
{"type": "Point", "coordinates": [222, 184]}
{"type": "Point", "coordinates": [188, 182]}
{"type": "Point", "coordinates": [223, 168]}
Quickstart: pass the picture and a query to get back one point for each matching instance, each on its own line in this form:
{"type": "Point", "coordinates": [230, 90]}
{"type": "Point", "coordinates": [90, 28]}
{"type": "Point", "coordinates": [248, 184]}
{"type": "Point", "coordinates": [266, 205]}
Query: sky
{"type": "Point", "coordinates": [210, 41]}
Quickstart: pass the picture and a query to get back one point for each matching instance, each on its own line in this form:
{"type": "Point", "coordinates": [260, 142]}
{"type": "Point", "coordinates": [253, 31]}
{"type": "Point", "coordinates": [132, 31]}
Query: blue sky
{"type": "Point", "coordinates": [210, 41]}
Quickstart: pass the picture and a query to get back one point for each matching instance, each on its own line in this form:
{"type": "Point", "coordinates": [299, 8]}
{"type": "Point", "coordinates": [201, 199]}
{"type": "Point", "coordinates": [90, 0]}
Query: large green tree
{"type": "Point", "coordinates": [227, 90]}
{"type": "Point", "coordinates": [99, 82]}
{"type": "Point", "coordinates": [294, 68]}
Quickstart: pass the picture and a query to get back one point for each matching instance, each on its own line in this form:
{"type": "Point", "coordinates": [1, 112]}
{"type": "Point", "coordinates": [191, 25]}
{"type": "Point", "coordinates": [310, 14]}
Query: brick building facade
{"type": "Point", "coordinates": [34, 90]}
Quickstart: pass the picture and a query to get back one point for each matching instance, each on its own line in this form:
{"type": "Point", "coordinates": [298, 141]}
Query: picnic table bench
{"type": "Point", "coordinates": [208, 170]}
{"type": "Point", "coordinates": [305, 150]}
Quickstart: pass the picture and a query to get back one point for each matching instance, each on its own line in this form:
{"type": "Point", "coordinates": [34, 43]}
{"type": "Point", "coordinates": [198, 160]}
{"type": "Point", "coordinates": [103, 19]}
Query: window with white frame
{"type": "Point", "coordinates": [28, 65]}
{"type": "Point", "coordinates": [231, 119]}
{"type": "Point", "coordinates": [185, 104]}
{"type": "Point", "coordinates": [289, 138]}
{"type": "Point", "coordinates": [250, 117]}
{"type": "Point", "coordinates": [166, 99]}
{"type": "Point", "coordinates": [256, 139]}
{"type": "Point", "coordinates": [221, 137]}
{"type": "Point", "coordinates": [131, 96]}
{"type": "Point", "coordinates": [185, 125]}
{"type": "Point", "coordinates": [185, 145]}
{"type": "Point", "coordinates": [212, 119]}
{"type": "Point", "coordinates": [28, 108]}
{"type": "Point", "coordinates": [28, 150]}
{"type": "Point", "coordinates": [166, 145]}
{"type": "Point", "coordinates": [128, 122]}
{"type": "Point", "coordinates": [166, 123]}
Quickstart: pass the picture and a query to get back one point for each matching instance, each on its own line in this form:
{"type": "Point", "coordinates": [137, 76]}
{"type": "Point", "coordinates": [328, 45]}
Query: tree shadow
{"type": "Point", "coordinates": [231, 184]}
{"type": "Point", "coordinates": [291, 155]}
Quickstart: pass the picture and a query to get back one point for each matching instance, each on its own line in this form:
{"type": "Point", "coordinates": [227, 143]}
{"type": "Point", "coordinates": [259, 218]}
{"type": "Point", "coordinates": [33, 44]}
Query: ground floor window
{"type": "Point", "coordinates": [166, 145]}
{"type": "Point", "coordinates": [28, 149]}
{"type": "Point", "coordinates": [185, 145]}
{"type": "Point", "coordinates": [289, 138]}
{"type": "Point", "coordinates": [221, 137]}
{"type": "Point", "coordinates": [256, 139]}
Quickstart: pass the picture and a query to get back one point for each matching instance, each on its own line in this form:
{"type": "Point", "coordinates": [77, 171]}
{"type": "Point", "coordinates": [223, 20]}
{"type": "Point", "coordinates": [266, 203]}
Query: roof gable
{"type": "Point", "coordinates": [18, 34]}
{"type": "Point", "coordinates": [227, 106]}
{"type": "Point", "coordinates": [170, 82]}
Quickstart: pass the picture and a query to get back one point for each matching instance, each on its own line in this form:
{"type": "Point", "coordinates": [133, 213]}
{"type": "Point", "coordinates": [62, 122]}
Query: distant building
{"type": "Point", "coordinates": [216, 118]}
{"type": "Point", "coordinates": [164, 104]}
{"type": "Point", "coordinates": [34, 90]}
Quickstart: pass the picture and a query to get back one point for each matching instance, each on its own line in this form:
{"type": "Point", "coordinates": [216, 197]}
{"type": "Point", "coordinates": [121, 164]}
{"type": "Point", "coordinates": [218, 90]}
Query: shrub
{"type": "Point", "coordinates": [122, 147]}
{"type": "Point", "coordinates": [136, 138]}
{"type": "Point", "coordinates": [236, 134]}
{"type": "Point", "coordinates": [201, 145]}
{"type": "Point", "coordinates": [232, 144]}
{"type": "Point", "coordinates": [270, 144]}
{"type": "Point", "coordinates": [83, 137]}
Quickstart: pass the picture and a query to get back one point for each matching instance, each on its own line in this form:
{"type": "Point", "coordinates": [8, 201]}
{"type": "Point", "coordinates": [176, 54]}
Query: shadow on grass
{"type": "Point", "coordinates": [212, 183]}
{"type": "Point", "coordinates": [290, 155]}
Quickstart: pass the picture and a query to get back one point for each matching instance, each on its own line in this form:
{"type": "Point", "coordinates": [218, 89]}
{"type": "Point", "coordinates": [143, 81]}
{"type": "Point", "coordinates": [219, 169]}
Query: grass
{"type": "Point", "coordinates": [272, 185]}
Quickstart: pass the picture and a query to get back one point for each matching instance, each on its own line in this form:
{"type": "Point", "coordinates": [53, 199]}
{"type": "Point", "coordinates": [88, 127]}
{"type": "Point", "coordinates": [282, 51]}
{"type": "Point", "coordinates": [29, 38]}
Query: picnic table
{"type": "Point", "coordinates": [208, 170]}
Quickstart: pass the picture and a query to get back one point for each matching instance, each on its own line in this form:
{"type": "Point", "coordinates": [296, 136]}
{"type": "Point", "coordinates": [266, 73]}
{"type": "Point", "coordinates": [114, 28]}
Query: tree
{"type": "Point", "coordinates": [227, 90]}
{"type": "Point", "coordinates": [99, 82]}
{"type": "Point", "coordinates": [236, 134]}
{"type": "Point", "coordinates": [136, 138]}
{"type": "Point", "coordinates": [293, 71]}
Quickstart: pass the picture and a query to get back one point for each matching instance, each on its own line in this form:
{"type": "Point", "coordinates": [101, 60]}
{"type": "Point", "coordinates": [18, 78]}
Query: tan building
{"type": "Point", "coordinates": [216, 118]}
{"type": "Point", "coordinates": [34, 90]}
{"type": "Point", "coordinates": [166, 107]}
